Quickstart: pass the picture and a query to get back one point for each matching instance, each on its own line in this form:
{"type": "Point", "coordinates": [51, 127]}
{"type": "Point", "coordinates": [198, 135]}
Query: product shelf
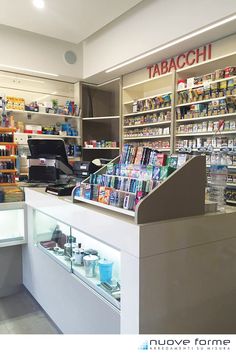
{"type": "Point", "coordinates": [7, 184]}
{"type": "Point", "coordinates": [210, 82]}
{"type": "Point", "coordinates": [101, 118]}
{"type": "Point", "coordinates": [41, 113]}
{"type": "Point", "coordinates": [223, 132]}
{"type": "Point", "coordinates": [148, 97]}
{"type": "Point", "coordinates": [51, 136]}
{"type": "Point", "coordinates": [12, 157]}
{"type": "Point", "coordinates": [105, 206]}
{"type": "Point", "coordinates": [147, 137]}
{"type": "Point", "coordinates": [7, 143]}
{"type": "Point", "coordinates": [148, 111]}
{"type": "Point", "coordinates": [203, 101]}
{"type": "Point", "coordinates": [206, 118]}
{"type": "Point", "coordinates": [150, 208]}
{"type": "Point", "coordinates": [7, 130]}
{"type": "Point", "coordinates": [146, 124]}
{"type": "Point", "coordinates": [101, 148]}
{"type": "Point", "coordinates": [8, 171]}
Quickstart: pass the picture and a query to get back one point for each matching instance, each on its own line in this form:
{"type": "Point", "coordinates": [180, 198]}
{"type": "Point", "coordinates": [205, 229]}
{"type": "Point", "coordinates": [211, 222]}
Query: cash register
{"type": "Point", "coordinates": [48, 164]}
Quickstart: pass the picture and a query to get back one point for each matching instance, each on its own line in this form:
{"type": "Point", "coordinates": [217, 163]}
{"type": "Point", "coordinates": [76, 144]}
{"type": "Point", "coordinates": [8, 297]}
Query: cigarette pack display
{"type": "Point", "coordinates": [165, 172]}
{"type": "Point", "coordinates": [161, 159]}
{"type": "Point", "coordinates": [101, 194]}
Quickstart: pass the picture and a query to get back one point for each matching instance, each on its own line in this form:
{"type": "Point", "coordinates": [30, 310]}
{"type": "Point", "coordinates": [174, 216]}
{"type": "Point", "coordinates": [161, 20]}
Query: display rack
{"type": "Point", "coordinates": [10, 148]}
{"type": "Point", "coordinates": [171, 199]}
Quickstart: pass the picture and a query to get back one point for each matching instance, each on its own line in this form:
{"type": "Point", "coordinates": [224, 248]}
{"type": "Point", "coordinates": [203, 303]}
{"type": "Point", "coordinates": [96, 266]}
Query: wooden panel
{"type": "Point", "coordinates": [180, 195]}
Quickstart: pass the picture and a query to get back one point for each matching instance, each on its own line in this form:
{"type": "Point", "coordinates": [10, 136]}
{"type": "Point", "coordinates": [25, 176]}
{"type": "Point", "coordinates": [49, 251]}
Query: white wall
{"type": "Point", "coordinates": [149, 25]}
{"type": "Point", "coordinates": [36, 52]}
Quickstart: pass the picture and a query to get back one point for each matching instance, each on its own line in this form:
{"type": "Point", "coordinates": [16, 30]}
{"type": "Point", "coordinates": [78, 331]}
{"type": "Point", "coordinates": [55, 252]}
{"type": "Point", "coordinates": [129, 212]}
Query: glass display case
{"type": "Point", "coordinates": [95, 263]}
{"type": "Point", "coordinates": [12, 221]}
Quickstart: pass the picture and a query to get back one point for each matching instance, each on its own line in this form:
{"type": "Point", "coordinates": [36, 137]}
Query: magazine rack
{"type": "Point", "coordinates": [182, 194]}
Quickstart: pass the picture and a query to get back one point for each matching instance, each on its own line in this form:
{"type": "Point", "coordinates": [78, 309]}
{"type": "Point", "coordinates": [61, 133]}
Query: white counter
{"type": "Point", "coordinates": [174, 274]}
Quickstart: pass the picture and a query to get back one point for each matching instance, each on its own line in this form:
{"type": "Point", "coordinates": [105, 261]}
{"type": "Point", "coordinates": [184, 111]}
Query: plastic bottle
{"type": "Point", "coordinates": [219, 174]}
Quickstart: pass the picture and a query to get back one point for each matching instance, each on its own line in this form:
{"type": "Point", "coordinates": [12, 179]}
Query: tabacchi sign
{"type": "Point", "coordinates": [193, 56]}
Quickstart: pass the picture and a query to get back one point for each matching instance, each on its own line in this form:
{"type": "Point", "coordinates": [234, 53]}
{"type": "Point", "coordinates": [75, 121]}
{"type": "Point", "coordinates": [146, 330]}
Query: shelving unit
{"type": "Point", "coordinates": [51, 115]}
{"type": "Point", "coordinates": [101, 118]}
{"type": "Point", "coordinates": [8, 173]}
{"type": "Point", "coordinates": [136, 90]}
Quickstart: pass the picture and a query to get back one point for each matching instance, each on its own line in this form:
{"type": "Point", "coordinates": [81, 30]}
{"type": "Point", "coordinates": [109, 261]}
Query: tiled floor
{"type": "Point", "coordinates": [21, 314]}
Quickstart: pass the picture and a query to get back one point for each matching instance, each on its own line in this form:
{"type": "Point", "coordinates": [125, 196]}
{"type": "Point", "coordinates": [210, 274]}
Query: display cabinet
{"type": "Point", "coordinates": [12, 221]}
{"type": "Point", "coordinates": [93, 262]}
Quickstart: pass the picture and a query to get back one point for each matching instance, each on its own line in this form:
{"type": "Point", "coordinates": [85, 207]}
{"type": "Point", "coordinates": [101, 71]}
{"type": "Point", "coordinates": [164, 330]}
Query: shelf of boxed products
{"type": "Point", "coordinates": [11, 157]}
{"type": "Point", "coordinates": [146, 137]}
{"type": "Point", "coordinates": [204, 101]}
{"type": "Point", "coordinates": [216, 116]}
{"type": "Point", "coordinates": [56, 115]}
{"type": "Point", "coordinates": [147, 124]}
{"type": "Point", "coordinates": [148, 111]}
{"type": "Point", "coordinates": [146, 98]}
{"type": "Point", "coordinates": [101, 148]}
{"type": "Point", "coordinates": [127, 179]}
{"type": "Point", "coordinates": [206, 83]}
{"type": "Point", "coordinates": [222, 133]}
{"type": "Point", "coordinates": [101, 118]}
{"type": "Point", "coordinates": [50, 135]}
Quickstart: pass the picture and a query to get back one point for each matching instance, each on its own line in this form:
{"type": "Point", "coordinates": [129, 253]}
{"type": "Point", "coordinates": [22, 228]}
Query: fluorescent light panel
{"type": "Point", "coordinates": [21, 78]}
{"type": "Point", "coordinates": [39, 4]}
{"type": "Point", "coordinates": [177, 41]}
{"type": "Point", "coordinates": [28, 70]}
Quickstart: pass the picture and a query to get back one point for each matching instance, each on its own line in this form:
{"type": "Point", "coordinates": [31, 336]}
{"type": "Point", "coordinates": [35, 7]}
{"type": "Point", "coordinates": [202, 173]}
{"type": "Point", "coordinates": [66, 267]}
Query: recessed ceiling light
{"type": "Point", "coordinates": [39, 4]}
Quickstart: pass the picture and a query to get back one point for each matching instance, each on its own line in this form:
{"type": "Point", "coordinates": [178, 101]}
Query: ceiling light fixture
{"type": "Point", "coordinates": [172, 43]}
{"type": "Point", "coordinates": [28, 70]}
{"type": "Point", "coordinates": [39, 4]}
{"type": "Point", "coordinates": [21, 78]}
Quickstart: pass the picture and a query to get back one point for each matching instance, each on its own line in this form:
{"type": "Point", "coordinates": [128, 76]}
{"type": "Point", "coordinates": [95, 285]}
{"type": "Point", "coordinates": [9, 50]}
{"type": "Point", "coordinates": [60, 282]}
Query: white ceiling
{"type": "Point", "coordinates": [69, 20]}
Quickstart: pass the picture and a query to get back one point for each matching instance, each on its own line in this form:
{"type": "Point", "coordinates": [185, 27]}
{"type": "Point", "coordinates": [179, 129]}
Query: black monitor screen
{"type": "Point", "coordinates": [47, 148]}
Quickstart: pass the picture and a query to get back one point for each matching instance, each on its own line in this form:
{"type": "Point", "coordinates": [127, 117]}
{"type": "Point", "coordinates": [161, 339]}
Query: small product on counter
{"type": "Point", "coordinates": [100, 144]}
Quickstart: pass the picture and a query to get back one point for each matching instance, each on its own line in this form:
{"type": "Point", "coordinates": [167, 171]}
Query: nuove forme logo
{"type": "Point", "coordinates": [201, 344]}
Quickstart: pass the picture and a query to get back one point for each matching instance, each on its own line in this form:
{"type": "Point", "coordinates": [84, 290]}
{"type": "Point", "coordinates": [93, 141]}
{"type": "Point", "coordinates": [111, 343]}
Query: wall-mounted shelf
{"type": "Point", "coordinates": [223, 132]}
{"type": "Point", "coordinates": [45, 136]}
{"type": "Point", "coordinates": [102, 148]}
{"type": "Point", "coordinates": [227, 115]}
{"type": "Point", "coordinates": [8, 157]}
{"type": "Point", "coordinates": [147, 97]}
{"type": "Point", "coordinates": [147, 112]}
{"type": "Point", "coordinates": [203, 101]}
{"type": "Point", "coordinates": [101, 118]}
{"type": "Point", "coordinates": [166, 122]}
{"type": "Point", "coordinates": [40, 113]}
{"type": "Point", "coordinates": [8, 171]}
{"type": "Point", "coordinates": [210, 82]}
{"type": "Point", "coordinates": [7, 184]}
{"type": "Point", "coordinates": [147, 137]}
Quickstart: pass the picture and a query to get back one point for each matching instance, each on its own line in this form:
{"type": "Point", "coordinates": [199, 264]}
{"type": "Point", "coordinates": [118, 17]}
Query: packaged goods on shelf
{"type": "Point", "coordinates": [124, 184]}
{"type": "Point", "coordinates": [154, 144]}
{"type": "Point", "coordinates": [148, 118]}
{"type": "Point", "coordinates": [152, 103]}
{"type": "Point", "coordinates": [100, 144]}
{"type": "Point", "coordinates": [15, 103]}
{"type": "Point", "coordinates": [73, 150]}
{"type": "Point", "coordinates": [147, 131]}
{"type": "Point", "coordinates": [215, 142]}
{"type": "Point", "coordinates": [210, 126]}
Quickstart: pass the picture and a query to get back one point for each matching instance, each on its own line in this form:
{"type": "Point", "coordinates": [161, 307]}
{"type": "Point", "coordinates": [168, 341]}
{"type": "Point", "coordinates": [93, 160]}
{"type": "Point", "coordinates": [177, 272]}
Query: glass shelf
{"type": "Point", "coordinates": [60, 242]}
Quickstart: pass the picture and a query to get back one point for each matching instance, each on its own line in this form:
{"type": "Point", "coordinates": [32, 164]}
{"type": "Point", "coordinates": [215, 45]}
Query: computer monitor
{"type": "Point", "coordinates": [48, 160]}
